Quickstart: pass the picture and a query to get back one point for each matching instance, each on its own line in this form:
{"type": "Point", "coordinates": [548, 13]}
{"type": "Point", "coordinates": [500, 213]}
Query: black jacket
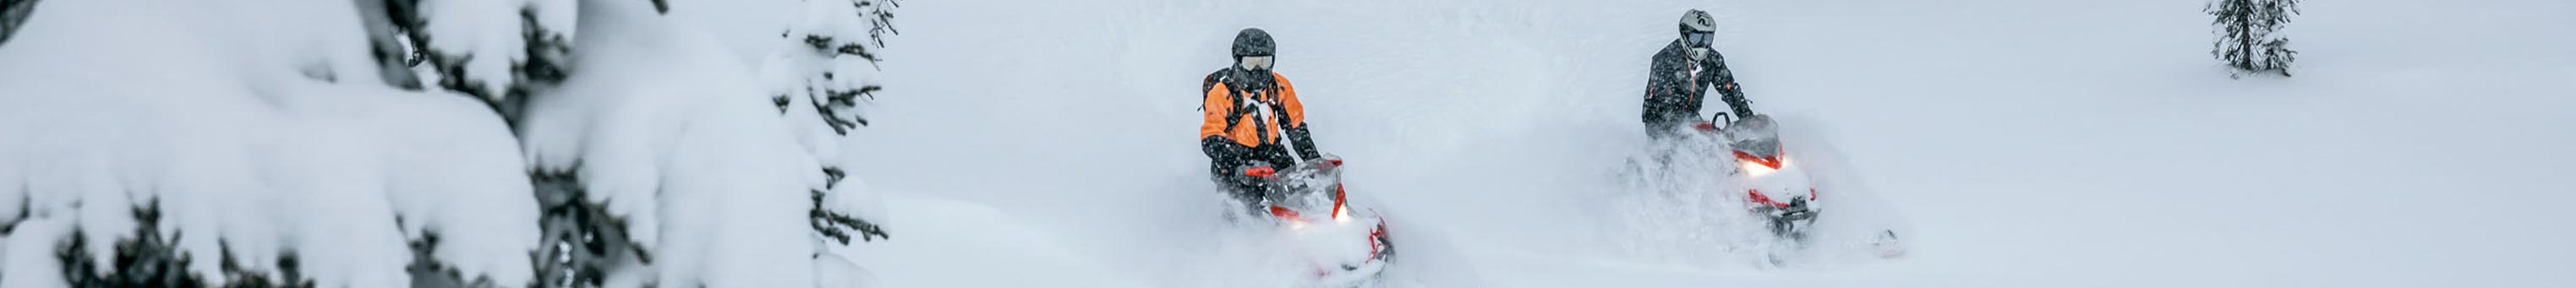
{"type": "Point", "coordinates": [1674, 93]}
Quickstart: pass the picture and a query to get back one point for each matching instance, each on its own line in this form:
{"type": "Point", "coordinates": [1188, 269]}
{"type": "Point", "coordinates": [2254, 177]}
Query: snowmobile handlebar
{"type": "Point", "coordinates": [1716, 122]}
{"type": "Point", "coordinates": [1328, 162]}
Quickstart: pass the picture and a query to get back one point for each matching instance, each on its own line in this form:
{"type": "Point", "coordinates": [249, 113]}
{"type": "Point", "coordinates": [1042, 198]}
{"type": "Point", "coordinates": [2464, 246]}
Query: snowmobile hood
{"type": "Point", "coordinates": [1755, 136]}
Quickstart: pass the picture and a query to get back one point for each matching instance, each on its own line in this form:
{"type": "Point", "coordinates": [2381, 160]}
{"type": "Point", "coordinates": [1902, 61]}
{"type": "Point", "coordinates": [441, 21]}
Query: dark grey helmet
{"type": "Point", "coordinates": [1253, 42]}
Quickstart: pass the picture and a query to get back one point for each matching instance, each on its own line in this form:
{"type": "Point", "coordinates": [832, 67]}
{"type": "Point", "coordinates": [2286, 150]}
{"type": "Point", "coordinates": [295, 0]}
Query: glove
{"type": "Point", "coordinates": [1223, 155]}
{"type": "Point", "coordinates": [1305, 143]}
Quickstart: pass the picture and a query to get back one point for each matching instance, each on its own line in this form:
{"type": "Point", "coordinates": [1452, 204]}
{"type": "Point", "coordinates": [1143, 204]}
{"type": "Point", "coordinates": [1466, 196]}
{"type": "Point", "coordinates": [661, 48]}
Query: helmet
{"type": "Point", "coordinates": [1696, 21]}
{"type": "Point", "coordinates": [1252, 50]}
{"type": "Point", "coordinates": [1698, 33]}
{"type": "Point", "coordinates": [1252, 42]}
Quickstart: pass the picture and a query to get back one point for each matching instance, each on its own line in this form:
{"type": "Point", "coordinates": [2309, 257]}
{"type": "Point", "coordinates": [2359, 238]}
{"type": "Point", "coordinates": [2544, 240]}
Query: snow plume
{"type": "Point", "coordinates": [151, 143]}
{"type": "Point", "coordinates": [1671, 215]}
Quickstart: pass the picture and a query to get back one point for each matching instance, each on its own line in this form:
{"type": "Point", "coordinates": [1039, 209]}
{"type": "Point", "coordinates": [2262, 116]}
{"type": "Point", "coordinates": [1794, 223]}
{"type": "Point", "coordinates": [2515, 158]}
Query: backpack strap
{"type": "Point", "coordinates": [1232, 91]}
{"type": "Point", "coordinates": [1210, 83]}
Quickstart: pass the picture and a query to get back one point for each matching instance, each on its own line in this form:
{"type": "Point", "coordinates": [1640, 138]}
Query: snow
{"type": "Point", "coordinates": [967, 236]}
{"type": "Point", "coordinates": [32, 271]}
{"type": "Point", "coordinates": [239, 125]}
{"type": "Point", "coordinates": [685, 146]}
{"type": "Point", "coordinates": [2014, 143]}
{"type": "Point", "coordinates": [488, 35]}
{"type": "Point", "coordinates": [2019, 143]}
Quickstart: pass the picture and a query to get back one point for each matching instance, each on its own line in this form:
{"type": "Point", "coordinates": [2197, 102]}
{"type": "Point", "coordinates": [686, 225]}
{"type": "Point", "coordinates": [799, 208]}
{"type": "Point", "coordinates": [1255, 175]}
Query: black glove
{"type": "Point", "coordinates": [1305, 143]}
{"type": "Point", "coordinates": [1223, 155]}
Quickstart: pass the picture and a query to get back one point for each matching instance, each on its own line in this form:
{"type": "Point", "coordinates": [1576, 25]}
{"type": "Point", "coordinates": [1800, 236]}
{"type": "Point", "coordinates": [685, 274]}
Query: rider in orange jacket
{"type": "Point", "coordinates": [1252, 116]}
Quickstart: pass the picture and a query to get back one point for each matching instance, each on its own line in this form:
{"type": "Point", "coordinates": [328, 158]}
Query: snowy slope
{"type": "Point", "coordinates": [2025, 143]}
{"type": "Point", "coordinates": [1048, 143]}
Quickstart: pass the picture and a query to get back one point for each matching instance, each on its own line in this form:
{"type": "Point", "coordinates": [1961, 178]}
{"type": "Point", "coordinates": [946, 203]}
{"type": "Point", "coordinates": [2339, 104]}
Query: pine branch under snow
{"type": "Point", "coordinates": [282, 172]}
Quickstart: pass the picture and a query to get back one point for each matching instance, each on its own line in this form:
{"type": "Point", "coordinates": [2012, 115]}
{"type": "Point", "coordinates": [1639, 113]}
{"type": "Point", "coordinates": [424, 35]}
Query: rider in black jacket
{"type": "Point", "coordinates": [1682, 75]}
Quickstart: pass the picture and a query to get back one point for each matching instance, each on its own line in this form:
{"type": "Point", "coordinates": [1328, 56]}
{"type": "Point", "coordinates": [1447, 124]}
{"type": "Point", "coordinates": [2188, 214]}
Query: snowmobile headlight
{"type": "Point", "coordinates": [1757, 169]}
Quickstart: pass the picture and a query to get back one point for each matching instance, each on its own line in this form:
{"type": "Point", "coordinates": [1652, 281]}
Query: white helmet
{"type": "Point", "coordinates": [1696, 21]}
{"type": "Point", "coordinates": [1698, 33]}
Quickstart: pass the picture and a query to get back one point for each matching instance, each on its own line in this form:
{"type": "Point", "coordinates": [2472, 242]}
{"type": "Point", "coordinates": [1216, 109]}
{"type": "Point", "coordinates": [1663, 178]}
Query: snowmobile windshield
{"type": "Point", "coordinates": [1754, 135]}
{"type": "Point", "coordinates": [1306, 186]}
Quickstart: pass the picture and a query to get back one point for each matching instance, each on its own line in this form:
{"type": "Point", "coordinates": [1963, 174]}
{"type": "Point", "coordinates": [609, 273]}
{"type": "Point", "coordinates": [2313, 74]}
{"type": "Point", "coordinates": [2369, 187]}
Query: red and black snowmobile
{"type": "Point", "coordinates": [1345, 243]}
{"type": "Point", "coordinates": [1775, 186]}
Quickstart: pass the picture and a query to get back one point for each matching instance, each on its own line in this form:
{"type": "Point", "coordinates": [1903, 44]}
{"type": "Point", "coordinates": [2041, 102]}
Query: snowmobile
{"type": "Point", "coordinates": [1346, 245]}
{"type": "Point", "coordinates": [1775, 187]}
{"type": "Point", "coordinates": [1782, 193]}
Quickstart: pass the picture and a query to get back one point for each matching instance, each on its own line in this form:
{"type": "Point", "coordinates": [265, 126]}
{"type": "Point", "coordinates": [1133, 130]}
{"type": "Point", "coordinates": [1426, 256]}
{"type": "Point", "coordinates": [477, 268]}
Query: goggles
{"type": "Point", "coordinates": [1699, 40]}
{"type": "Point", "coordinates": [1255, 63]}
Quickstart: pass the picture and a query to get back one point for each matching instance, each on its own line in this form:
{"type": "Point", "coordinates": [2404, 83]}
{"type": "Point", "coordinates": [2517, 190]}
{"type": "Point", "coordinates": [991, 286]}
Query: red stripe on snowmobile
{"type": "Point", "coordinates": [1374, 235]}
{"type": "Point", "coordinates": [1284, 213]}
{"type": "Point", "coordinates": [1773, 161]}
{"type": "Point", "coordinates": [1756, 196]}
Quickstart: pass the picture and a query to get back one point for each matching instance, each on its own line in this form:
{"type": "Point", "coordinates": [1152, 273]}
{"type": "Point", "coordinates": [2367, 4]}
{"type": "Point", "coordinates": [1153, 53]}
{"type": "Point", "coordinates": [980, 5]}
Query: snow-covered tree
{"type": "Point", "coordinates": [2249, 38]}
{"type": "Point", "coordinates": [625, 217]}
{"type": "Point", "coordinates": [829, 62]}
{"type": "Point", "coordinates": [264, 151]}
{"type": "Point", "coordinates": [824, 70]}
{"type": "Point", "coordinates": [213, 144]}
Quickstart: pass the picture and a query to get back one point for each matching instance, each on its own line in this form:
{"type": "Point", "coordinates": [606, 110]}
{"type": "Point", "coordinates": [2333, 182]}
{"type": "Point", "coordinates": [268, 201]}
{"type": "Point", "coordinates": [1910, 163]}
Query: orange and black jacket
{"type": "Point", "coordinates": [1246, 116]}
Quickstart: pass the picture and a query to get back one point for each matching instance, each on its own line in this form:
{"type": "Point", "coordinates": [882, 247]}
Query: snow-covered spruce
{"type": "Point", "coordinates": [222, 140]}
{"type": "Point", "coordinates": [676, 170]}
{"type": "Point", "coordinates": [2249, 38]}
{"type": "Point", "coordinates": [828, 63]}
{"type": "Point", "coordinates": [264, 152]}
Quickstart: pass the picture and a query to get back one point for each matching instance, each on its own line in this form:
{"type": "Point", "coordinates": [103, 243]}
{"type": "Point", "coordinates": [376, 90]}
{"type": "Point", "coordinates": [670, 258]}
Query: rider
{"type": "Point", "coordinates": [1683, 73]}
{"type": "Point", "coordinates": [1248, 108]}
